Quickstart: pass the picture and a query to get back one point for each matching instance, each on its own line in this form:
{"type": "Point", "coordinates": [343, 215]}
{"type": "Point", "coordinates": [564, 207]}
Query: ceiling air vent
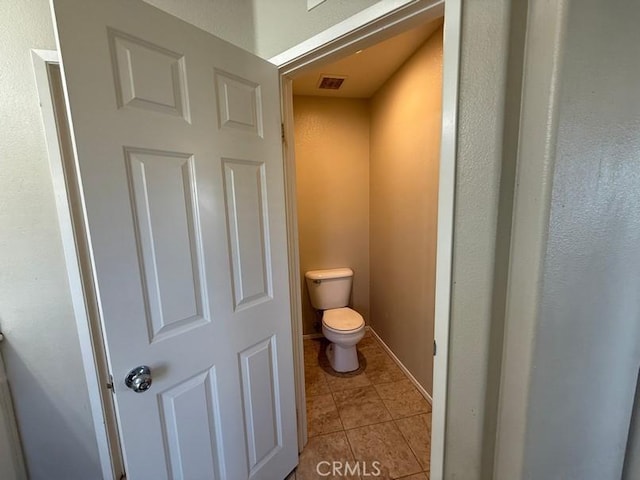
{"type": "Point", "coordinates": [331, 82]}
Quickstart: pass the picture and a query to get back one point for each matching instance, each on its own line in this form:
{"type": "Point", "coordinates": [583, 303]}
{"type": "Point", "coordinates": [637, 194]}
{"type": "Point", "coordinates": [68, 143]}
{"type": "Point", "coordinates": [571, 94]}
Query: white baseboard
{"type": "Point", "coordinates": [404, 369]}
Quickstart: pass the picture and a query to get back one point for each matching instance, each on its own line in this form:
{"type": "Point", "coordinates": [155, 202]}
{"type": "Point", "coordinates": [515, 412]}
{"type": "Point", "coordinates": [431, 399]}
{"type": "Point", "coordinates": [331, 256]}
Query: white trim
{"type": "Point", "coordinates": [311, 4]}
{"type": "Point", "coordinates": [404, 369]}
{"type": "Point", "coordinates": [372, 25]}
{"type": "Point", "coordinates": [444, 244]}
{"type": "Point", "coordinates": [536, 155]}
{"type": "Point", "coordinates": [286, 93]}
{"type": "Point", "coordinates": [89, 332]}
{"type": "Point", "coordinates": [385, 19]}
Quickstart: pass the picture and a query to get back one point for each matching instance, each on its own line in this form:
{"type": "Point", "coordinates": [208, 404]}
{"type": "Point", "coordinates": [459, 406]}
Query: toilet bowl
{"type": "Point", "coordinates": [344, 328]}
{"type": "Point", "coordinates": [329, 291]}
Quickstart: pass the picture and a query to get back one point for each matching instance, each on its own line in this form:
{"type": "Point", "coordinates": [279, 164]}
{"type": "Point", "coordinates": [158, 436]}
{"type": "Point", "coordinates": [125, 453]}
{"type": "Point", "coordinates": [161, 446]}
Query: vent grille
{"type": "Point", "coordinates": [332, 82]}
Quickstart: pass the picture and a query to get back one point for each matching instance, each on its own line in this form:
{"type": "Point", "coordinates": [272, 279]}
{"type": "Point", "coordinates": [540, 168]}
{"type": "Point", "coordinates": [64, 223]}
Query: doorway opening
{"type": "Point", "coordinates": [364, 185]}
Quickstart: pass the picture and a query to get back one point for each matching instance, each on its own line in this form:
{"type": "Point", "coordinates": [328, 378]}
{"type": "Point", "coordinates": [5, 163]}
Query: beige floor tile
{"type": "Point", "coordinates": [368, 342]}
{"type": "Point", "coordinates": [385, 444]}
{"type": "Point", "coordinates": [311, 349]}
{"type": "Point", "coordinates": [417, 431]}
{"type": "Point", "coordinates": [370, 345]}
{"type": "Point", "coordinates": [380, 368]}
{"type": "Point", "coordinates": [360, 406]}
{"type": "Point", "coordinates": [402, 399]}
{"type": "Point", "coordinates": [332, 447]}
{"type": "Point", "coordinates": [315, 382]}
{"type": "Point", "coordinates": [322, 415]}
{"type": "Point", "coordinates": [339, 382]}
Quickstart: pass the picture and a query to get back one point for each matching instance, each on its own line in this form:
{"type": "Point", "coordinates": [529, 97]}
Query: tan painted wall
{"type": "Point", "coordinates": [406, 114]}
{"type": "Point", "coordinates": [332, 180]}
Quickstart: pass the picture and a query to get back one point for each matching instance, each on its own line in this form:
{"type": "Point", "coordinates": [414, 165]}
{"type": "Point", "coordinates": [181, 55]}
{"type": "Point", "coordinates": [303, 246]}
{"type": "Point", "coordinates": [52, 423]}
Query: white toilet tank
{"type": "Point", "coordinates": [329, 288]}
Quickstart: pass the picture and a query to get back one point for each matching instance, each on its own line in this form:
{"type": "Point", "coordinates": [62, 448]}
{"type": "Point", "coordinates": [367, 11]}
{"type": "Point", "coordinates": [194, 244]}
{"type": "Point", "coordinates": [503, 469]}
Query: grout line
{"type": "Point", "coordinates": [353, 453]}
{"type": "Point", "coordinates": [338, 412]}
{"type": "Point", "coordinates": [368, 425]}
{"type": "Point", "coordinates": [400, 365]}
{"type": "Point", "coordinates": [377, 394]}
{"type": "Point", "coordinates": [409, 445]}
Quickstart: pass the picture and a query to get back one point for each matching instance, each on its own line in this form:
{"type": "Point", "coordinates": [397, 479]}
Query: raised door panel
{"type": "Point", "coordinates": [148, 76]}
{"type": "Point", "coordinates": [261, 404]}
{"type": "Point", "coordinates": [239, 103]}
{"type": "Point", "coordinates": [177, 136]}
{"type": "Point", "coordinates": [164, 204]}
{"type": "Point", "coordinates": [191, 428]}
{"type": "Point", "coordinates": [247, 227]}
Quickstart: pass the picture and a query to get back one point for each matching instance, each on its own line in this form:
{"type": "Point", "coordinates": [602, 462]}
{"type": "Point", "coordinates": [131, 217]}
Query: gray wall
{"type": "Point", "coordinates": [631, 469]}
{"type": "Point", "coordinates": [281, 24]}
{"type": "Point", "coordinates": [231, 20]}
{"type": "Point", "coordinates": [489, 98]}
{"type": "Point", "coordinates": [41, 348]}
{"type": "Point", "coordinates": [573, 318]}
{"type": "Point", "coordinates": [587, 348]}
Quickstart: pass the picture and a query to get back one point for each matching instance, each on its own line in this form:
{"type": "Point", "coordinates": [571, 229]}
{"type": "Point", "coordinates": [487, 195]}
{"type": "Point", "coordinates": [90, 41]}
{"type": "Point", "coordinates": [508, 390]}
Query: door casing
{"type": "Point", "coordinates": [78, 266]}
{"type": "Point", "coordinates": [364, 29]}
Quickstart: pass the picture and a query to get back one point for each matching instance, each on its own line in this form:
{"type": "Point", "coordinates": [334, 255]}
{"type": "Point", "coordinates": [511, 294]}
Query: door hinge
{"type": "Point", "coordinates": [435, 348]}
{"type": "Point", "coordinates": [123, 477]}
{"type": "Point", "coordinates": [110, 385]}
{"type": "Point", "coordinates": [282, 131]}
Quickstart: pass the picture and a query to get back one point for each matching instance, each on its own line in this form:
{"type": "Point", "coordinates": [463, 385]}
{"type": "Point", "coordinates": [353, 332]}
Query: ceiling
{"type": "Point", "coordinates": [366, 71]}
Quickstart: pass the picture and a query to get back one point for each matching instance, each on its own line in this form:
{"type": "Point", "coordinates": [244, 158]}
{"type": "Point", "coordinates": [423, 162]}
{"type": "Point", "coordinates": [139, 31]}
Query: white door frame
{"type": "Point", "coordinates": [372, 25]}
{"type": "Point", "coordinates": [79, 269]}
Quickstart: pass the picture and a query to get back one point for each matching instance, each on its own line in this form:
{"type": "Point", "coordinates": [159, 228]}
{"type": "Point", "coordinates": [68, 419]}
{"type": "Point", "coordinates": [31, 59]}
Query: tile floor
{"type": "Point", "coordinates": [373, 414]}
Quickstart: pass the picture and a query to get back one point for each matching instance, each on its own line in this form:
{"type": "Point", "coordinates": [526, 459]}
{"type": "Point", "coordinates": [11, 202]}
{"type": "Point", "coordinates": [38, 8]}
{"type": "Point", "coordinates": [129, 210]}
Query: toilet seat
{"type": "Point", "coordinates": [342, 320]}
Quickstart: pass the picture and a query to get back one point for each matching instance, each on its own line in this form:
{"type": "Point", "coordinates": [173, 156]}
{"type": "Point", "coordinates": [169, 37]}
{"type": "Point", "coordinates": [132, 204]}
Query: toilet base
{"type": "Point", "coordinates": [342, 359]}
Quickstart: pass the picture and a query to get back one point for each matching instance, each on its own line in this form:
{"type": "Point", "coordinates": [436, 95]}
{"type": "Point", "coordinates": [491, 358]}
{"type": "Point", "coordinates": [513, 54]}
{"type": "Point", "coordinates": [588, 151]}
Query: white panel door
{"type": "Point", "coordinates": [177, 137]}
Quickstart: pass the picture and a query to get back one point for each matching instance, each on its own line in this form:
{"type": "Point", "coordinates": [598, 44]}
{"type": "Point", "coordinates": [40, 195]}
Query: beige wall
{"type": "Point", "coordinates": [406, 114]}
{"type": "Point", "coordinates": [332, 181]}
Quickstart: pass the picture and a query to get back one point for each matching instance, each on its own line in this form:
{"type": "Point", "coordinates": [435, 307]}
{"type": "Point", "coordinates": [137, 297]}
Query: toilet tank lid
{"type": "Point", "coordinates": [329, 273]}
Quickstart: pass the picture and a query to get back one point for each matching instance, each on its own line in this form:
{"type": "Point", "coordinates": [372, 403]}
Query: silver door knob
{"type": "Point", "coordinates": [139, 379]}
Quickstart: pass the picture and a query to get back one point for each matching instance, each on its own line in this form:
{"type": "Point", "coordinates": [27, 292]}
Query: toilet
{"type": "Point", "coordinates": [329, 291]}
